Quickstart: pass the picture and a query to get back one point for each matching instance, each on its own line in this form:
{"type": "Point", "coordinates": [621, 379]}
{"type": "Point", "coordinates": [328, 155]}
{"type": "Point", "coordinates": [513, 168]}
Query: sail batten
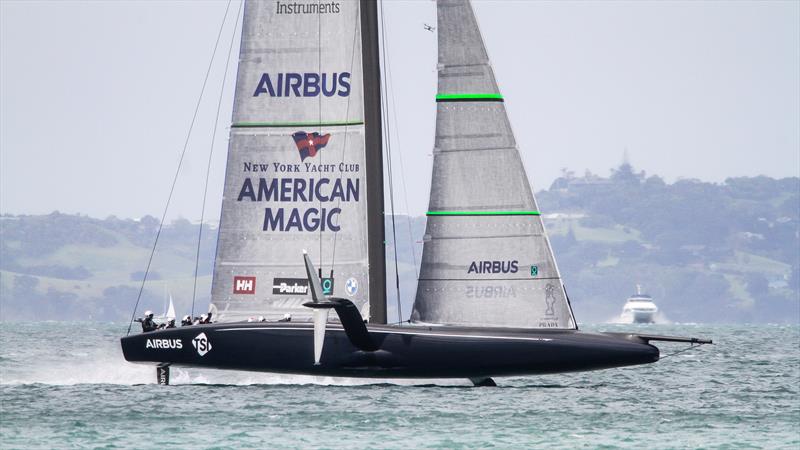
{"type": "Point", "coordinates": [486, 259]}
{"type": "Point", "coordinates": [342, 123]}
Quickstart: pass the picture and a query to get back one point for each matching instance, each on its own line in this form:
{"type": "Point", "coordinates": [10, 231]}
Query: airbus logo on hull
{"type": "Point", "coordinates": [164, 344]}
{"type": "Point", "coordinates": [308, 84]}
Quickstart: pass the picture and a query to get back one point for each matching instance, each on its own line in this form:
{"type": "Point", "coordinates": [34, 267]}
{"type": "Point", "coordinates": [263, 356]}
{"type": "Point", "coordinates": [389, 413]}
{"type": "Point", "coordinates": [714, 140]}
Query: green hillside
{"type": "Point", "coordinates": [707, 252]}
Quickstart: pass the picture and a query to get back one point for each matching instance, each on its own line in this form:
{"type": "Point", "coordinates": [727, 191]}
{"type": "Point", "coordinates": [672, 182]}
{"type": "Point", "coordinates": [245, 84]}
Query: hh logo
{"type": "Point", "coordinates": [201, 344]}
{"type": "Point", "coordinates": [244, 285]}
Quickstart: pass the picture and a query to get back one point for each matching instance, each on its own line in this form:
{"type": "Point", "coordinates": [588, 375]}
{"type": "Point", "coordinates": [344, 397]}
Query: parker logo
{"type": "Point", "coordinates": [201, 344]}
{"type": "Point", "coordinates": [308, 144]}
{"type": "Point", "coordinates": [289, 286]}
{"type": "Point", "coordinates": [244, 285]}
{"type": "Point", "coordinates": [164, 344]}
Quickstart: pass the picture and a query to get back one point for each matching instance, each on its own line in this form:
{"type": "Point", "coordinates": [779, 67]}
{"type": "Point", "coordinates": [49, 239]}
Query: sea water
{"type": "Point", "coordinates": [66, 385]}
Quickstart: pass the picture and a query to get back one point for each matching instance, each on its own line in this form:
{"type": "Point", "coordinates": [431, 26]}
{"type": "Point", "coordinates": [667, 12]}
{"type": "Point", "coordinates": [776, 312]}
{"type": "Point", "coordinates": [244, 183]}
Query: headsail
{"type": "Point", "coordinates": [296, 172]}
{"type": "Point", "coordinates": [486, 259]}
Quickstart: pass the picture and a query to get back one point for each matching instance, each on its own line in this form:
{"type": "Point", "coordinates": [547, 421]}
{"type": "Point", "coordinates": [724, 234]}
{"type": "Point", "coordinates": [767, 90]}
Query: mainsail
{"type": "Point", "coordinates": [486, 259]}
{"type": "Point", "coordinates": [297, 170]}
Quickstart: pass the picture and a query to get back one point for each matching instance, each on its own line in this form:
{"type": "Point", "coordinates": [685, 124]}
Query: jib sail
{"type": "Point", "coordinates": [296, 174]}
{"type": "Point", "coordinates": [486, 259]}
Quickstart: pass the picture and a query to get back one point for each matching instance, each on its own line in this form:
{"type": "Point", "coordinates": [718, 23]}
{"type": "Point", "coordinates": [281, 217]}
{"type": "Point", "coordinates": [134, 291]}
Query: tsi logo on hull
{"type": "Point", "coordinates": [201, 344]}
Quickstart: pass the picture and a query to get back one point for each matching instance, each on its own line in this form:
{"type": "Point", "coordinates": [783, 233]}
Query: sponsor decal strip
{"type": "Point", "coordinates": [482, 213]}
{"type": "Point", "coordinates": [296, 124]}
{"type": "Point", "coordinates": [469, 98]}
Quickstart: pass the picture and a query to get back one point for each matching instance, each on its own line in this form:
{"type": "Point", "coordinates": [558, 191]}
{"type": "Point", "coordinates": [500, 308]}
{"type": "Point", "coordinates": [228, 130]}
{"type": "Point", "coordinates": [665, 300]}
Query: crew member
{"type": "Point", "coordinates": [286, 318]}
{"type": "Point", "coordinates": [187, 320]}
{"type": "Point", "coordinates": [147, 323]}
{"type": "Point", "coordinates": [171, 323]}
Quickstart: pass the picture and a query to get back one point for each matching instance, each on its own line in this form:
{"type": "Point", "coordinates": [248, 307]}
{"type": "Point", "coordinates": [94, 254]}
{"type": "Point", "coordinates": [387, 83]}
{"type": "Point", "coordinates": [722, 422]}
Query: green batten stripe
{"type": "Point", "coordinates": [482, 213]}
{"type": "Point", "coordinates": [294, 124]}
{"type": "Point", "coordinates": [468, 97]}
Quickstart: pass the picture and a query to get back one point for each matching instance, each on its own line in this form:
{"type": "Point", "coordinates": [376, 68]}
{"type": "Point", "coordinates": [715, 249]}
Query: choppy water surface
{"type": "Point", "coordinates": [66, 385]}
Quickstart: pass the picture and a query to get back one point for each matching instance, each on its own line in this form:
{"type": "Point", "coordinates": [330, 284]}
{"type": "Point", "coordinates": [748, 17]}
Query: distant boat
{"type": "Point", "coordinates": [639, 308]}
{"type": "Point", "coordinates": [169, 312]}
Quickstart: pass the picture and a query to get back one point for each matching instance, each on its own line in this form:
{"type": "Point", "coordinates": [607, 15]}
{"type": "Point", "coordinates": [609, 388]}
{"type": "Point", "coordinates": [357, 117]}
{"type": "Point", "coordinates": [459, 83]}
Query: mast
{"type": "Point", "coordinates": [374, 160]}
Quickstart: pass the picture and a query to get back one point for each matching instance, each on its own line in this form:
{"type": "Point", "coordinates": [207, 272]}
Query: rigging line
{"type": "Point", "coordinates": [180, 164]}
{"type": "Point", "coordinates": [319, 114]}
{"type": "Point", "coordinates": [389, 162]}
{"type": "Point", "coordinates": [402, 167]}
{"type": "Point", "coordinates": [211, 153]}
{"type": "Point", "coordinates": [346, 134]}
{"type": "Point", "coordinates": [691, 347]}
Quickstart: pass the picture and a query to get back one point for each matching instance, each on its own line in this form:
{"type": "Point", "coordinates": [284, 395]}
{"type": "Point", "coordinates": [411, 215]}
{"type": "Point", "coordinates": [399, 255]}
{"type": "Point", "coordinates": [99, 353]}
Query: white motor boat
{"type": "Point", "coordinates": [639, 308]}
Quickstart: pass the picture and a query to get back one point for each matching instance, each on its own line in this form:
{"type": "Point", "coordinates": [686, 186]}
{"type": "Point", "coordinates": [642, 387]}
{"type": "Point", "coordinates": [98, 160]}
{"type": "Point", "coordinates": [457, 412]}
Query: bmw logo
{"type": "Point", "coordinates": [351, 286]}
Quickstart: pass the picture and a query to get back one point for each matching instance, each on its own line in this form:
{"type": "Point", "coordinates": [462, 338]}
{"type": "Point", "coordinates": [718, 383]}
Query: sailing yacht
{"type": "Point", "coordinates": [302, 232]}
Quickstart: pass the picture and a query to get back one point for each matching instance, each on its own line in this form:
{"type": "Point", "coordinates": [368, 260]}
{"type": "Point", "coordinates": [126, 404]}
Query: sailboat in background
{"type": "Point", "coordinates": [169, 312]}
{"type": "Point", "coordinates": [304, 185]}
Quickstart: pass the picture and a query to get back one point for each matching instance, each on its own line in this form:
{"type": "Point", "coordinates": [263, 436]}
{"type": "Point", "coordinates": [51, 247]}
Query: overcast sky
{"type": "Point", "coordinates": [96, 97]}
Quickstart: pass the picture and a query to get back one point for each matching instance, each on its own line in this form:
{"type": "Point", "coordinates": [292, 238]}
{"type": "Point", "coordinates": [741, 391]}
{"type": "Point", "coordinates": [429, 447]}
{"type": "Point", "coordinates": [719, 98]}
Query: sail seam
{"type": "Point", "coordinates": [503, 236]}
{"type": "Point", "coordinates": [469, 98]}
{"type": "Point", "coordinates": [482, 213]}
{"type": "Point", "coordinates": [490, 279]}
{"type": "Point", "coordinates": [296, 124]}
{"type": "Point", "coordinates": [475, 149]}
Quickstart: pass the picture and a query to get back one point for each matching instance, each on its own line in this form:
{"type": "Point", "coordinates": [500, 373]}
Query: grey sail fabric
{"type": "Point", "coordinates": [295, 176]}
{"type": "Point", "coordinates": [486, 259]}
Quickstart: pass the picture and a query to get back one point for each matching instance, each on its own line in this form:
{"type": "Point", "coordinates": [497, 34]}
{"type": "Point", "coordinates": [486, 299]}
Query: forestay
{"type": "Point", "coordinates": [486, 259]}
{"type": "Point", "coordinates": [296, 167]}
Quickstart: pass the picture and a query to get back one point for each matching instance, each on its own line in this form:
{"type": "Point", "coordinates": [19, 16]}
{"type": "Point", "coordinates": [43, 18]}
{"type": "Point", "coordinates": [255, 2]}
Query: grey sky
{"type": "Point", "coordinates": [96, 97]}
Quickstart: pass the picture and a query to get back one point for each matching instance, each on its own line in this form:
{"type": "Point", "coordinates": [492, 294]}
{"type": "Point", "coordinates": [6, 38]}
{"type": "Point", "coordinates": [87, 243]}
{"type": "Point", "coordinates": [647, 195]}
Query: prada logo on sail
{"type": "Point", "coordinates": [289, 286]}
{"type": "Point", "coordinates": [307, 84]}
{"type": "Point", "coordinates": [244, 285]}
{"type": "Point", "coordinates": [494, 267]}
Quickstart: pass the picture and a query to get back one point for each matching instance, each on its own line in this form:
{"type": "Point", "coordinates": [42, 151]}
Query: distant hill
{"type": "Point", "coordinates": [707, 252]}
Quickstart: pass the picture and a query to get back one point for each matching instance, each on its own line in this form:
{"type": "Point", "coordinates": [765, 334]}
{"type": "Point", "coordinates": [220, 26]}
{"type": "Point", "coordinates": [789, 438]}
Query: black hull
{"type": "Point", "coordinates": [404, 352]}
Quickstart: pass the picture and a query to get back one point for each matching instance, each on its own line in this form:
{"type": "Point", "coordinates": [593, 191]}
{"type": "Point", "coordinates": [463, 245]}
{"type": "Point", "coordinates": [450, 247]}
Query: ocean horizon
{"type": "Point", "coordinates": [66, 385]}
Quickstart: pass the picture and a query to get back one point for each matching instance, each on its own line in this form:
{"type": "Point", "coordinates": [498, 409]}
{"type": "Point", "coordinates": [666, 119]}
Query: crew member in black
{"type": "Point", "coordinates": [147, 323]}
{"type": "Point", "coordinates": [187, 320]}
{"type": "Point", "coordinates": [170, 324]}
